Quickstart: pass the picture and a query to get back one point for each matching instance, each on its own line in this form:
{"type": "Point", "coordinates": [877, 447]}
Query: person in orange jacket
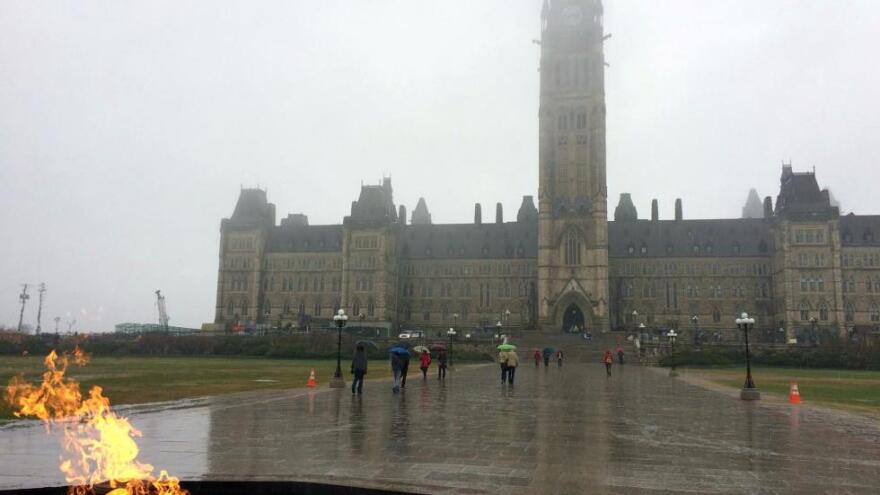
{"type": "Point", "coordinates": [608, 359]}
{"type": "Point", "coordinates": [425, 359]}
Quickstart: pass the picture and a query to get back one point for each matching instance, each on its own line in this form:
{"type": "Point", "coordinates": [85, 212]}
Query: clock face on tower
{"type": "Point", "coordinates": [572, 15]}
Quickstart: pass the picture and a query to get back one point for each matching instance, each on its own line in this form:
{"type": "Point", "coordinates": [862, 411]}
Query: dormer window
{"type": "Point", "coordinates": [736, 248]}
{"type": "Point", "coordinates": [696, 249]}
{"type": "Point", "coordinates": [644, 249]}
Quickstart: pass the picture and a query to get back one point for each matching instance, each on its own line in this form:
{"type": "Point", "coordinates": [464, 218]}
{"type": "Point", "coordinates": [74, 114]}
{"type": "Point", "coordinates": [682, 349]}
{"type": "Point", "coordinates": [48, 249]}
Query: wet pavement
{"type": "Point", "coordinates": [568, 430]}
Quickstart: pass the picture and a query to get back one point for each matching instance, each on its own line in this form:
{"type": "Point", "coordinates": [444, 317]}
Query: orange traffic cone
{"type": "Point", "coordinates": [794, 396]}
{"type": "Point", "coordinates": [312, 383]}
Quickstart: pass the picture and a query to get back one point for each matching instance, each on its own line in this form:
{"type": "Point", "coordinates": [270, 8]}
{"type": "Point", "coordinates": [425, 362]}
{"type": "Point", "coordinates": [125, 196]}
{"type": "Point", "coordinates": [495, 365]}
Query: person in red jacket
{"type": "Point", "coordinates": [608, 359]}
{"type": "Point", "coordinates": [537, 358]}
{"type": "Point", "coordinates": [425, 359]}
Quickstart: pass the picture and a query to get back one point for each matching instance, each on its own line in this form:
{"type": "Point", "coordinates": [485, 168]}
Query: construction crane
{"type": "Point", "coordinates": [163, 314]}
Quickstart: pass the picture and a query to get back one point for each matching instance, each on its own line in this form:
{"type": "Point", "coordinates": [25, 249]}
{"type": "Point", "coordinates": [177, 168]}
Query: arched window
{"type": "Point", "coordinates": [230, 308]}
{"type": "Point", "coordinates": [849, 312]}
{"type": "Point", "coordinates": [356, 308]}
{"type": "Point", "coordinates": [318, 308]}
{"type": "Point", "coordinates": [244, 307]}
{"type": "Point", "coordinates": [267, 307]}
{"type": "Point", "coordinates": [572, 249]}
{"type": "Point", "coordinates": [875, 313]}
{"type": "Point", "coordinates": [716, 315]}
{"type": "Point", "coordinates": [371, 308]}
{"type": "Point", "coordinates": [805, 311]}
{"type": "Point", "coordinates": [286, 307]}
{"type": "Point", "coordinates": [823, 312]}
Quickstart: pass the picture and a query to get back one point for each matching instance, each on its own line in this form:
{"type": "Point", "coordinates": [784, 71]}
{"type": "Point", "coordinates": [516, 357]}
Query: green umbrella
{"type": "Point", "coordinates": [506, 347]}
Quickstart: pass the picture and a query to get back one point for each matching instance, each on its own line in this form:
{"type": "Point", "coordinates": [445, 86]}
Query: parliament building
{"type": "Point", "coordinates": [799, 267]}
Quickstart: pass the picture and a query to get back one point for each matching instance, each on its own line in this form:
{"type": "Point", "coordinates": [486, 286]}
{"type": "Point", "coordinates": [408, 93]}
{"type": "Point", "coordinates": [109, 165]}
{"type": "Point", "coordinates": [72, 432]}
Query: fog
{"type": "Point", "coordinates": [127, 128]}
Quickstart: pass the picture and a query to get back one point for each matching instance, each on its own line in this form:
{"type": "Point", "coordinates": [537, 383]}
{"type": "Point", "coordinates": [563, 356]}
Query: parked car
{"type": "Point", "coordinates": [411, 334]}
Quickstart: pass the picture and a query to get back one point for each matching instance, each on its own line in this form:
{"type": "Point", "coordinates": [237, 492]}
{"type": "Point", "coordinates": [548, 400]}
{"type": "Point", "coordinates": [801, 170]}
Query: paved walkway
{"type": "Point", "coordinates": [566, 430]}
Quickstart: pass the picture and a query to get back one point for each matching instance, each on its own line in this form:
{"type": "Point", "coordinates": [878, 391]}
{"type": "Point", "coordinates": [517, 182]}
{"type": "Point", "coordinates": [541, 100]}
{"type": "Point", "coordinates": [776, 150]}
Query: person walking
{"type": "Point", "coordinates": [608, 359]}
{"type": "Point", "coordinates": [559, 358]}
{"type": "Point", "coordinates": [537, 358]}
{"type": "Point", "coordinates": [512, 363]}
{"type": "Point", "coordinates": [619, 355]}
{"type": "Point", "coordinates": [404, 368]}
{"type": "Point", "coordinates": [442, 360]}
{"type": "Point", "coordinates": [396, 365]}
{"type": "Point", "coordinates": [502, 361]}
{"type": "Point", "coordinates": [358, 369]}
{"type": "Point", "coordinates": [425, 361]}
{"type": "Point", "coordinates": [547, 357]}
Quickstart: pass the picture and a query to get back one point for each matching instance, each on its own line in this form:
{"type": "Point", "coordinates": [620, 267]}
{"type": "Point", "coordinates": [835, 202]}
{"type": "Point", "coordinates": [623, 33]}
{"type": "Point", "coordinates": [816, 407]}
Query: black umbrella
{"type": "Point", "coordinates": [367, 343]}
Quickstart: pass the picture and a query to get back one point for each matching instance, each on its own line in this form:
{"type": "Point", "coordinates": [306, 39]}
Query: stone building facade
{"type": "Point", "coordinates": [801, 269]}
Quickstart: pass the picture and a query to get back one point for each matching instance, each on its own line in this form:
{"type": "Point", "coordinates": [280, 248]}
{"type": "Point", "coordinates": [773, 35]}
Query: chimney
{"type": "Point", "coordinates": [478, 214]}
{"type": "Point", "coordinates": [768, 207]}
{"type": "Point", "coordinates": [655, 210]}
{"type": "Point", "coordinates": [678, 214]}
{"type": "Point", "coordinates": [499, 213]}
{"type": "Point", "coordinates": [401, 214]}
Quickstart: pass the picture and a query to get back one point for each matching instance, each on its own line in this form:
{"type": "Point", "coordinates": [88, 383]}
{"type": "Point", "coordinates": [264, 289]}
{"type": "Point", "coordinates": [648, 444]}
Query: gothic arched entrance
{"type": "Point", "coordinates": [572, 319]}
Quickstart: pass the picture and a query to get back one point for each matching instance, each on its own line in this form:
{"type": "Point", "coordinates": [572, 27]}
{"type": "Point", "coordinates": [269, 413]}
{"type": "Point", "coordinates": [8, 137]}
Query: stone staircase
{"type": "Point", "coordinates": [573, 346]}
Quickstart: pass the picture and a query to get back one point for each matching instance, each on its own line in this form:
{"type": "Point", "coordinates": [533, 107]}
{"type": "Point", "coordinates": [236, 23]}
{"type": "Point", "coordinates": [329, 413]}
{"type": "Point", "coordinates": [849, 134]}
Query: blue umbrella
{"type": "Point", "coordinates": [399, 351]}
{"type": "Point", "coordinates": [549, 350]}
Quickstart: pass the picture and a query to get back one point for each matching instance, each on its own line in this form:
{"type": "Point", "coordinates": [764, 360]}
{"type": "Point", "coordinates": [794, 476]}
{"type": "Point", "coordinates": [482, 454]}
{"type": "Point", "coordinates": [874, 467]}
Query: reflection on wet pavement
{"type": "Point", "coordinates": [566, 430]}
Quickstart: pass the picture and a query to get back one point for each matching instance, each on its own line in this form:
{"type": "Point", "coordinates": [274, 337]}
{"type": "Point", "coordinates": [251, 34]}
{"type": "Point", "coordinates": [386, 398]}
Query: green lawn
{"type": "Point", "coordinates": [135, 380]}
{"type": "Point", "coordinates": [848, 389]}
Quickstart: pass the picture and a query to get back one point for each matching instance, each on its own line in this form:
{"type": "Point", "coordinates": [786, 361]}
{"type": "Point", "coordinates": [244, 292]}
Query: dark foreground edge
{"type": "Point", "coordinates": [240, 487]}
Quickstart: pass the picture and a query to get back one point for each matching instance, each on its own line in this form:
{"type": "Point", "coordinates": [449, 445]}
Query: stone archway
{"type": "Point", "coordinates": [572, 318]}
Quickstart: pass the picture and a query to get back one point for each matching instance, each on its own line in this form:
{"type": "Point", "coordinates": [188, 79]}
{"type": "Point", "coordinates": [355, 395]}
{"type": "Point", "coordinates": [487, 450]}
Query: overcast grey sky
{"type": "Point", "coordinates": [127, 128]}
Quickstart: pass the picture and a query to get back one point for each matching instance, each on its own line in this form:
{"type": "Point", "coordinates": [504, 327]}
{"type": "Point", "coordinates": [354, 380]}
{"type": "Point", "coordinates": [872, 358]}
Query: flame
{"type": "Point", "coordinates": [99, 446]}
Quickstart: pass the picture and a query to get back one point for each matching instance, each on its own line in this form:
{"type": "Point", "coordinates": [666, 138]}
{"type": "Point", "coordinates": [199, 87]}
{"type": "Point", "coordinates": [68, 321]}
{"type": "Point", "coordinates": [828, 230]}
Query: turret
{"type": "Point", "coordinates": [478, 214]}
{"type": "Point", "coordinates": [626, 210]}
{"type": "Point", "coordinates": [499, 213]}
{"type": "Point", "coordinates": [655, 210]}
{"type": "Point", "coordinates": [678, 210]}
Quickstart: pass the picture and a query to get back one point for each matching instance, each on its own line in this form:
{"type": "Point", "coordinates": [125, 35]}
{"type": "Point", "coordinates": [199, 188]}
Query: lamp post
{"type": "Point", "coordinates": [635, 319]}
{"type": "Point", "coordinates": [451, 335]}
{"type": "Point", "coordinates": [506, 316]}
{"type": "Point", "coordinates": [672, 335]}
{"type": "Point", "coordinates": [695, 320]}
{"type": "Point", "coordinates": [749, 391]}
{"type": "Point", "coordinates": [498, 328]}
{"type": "Point", "coordinates": [340, 318]}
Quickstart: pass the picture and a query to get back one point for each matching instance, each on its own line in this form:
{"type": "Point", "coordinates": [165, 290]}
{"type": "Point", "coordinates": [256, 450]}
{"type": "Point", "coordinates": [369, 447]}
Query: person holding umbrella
{"type": "Point", "coordinates": [442, 360]}
{"type": "Point", "coordinates": [358, 368]}
{"type": "Point", "coordinates": [512, 363]}
{"type": "Point", "coordinates": [425, 361]}
{"type": "Point", "coordinates": [608, 359]}
{"type": "Point", "coordinates": [404, 368]}
{"type": "Point", "coordinates": [548, 351]}
{"type": "Point", "coordinates": [504, 358]}
{"type": "Point", "coordinates": [399, 355]}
